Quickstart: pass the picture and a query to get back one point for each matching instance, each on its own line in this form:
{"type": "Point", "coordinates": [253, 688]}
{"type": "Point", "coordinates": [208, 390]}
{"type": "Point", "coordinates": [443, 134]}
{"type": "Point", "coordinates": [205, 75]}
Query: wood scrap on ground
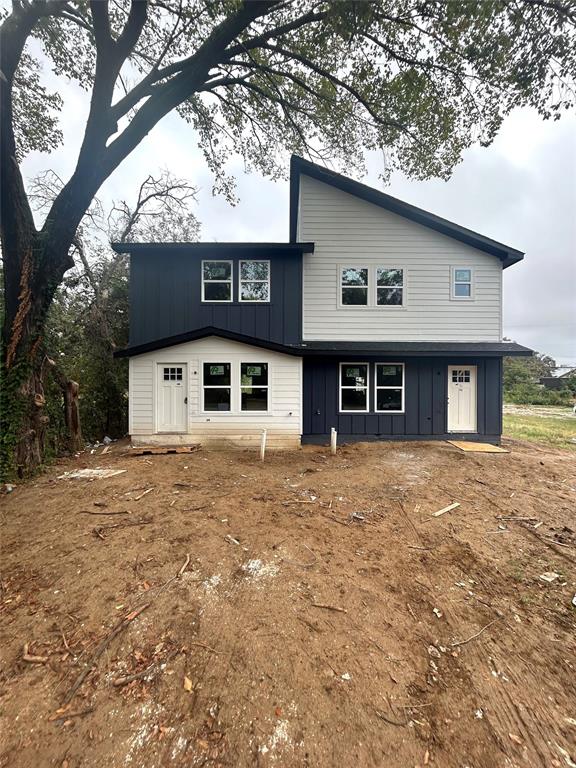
{"type": "Point", "coordinates": [90, 474]}
{"type": "Point", "coordinates": [163, 450]}
{"type": "Point", "coordinates": [474, 447]}
{"type": "Point", "coordinates": [443, 511]}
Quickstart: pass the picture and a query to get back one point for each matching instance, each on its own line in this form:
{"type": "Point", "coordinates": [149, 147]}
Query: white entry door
{"type": "Point", "coordinates": [172, 399]}
{"type": "Point", "coordinates": [462, 398]}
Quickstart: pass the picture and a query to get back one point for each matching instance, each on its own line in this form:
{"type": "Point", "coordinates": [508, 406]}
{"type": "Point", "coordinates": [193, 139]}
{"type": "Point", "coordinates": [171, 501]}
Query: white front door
{"type": "Point", "coordinates": [462, 398]}
{"type": "Point", "coordinates": [172, 399]}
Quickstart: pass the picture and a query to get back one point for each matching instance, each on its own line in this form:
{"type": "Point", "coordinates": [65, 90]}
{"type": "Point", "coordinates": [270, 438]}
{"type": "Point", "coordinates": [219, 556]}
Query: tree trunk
{"type": "Point", "coordinates": [23, 419]}
{"type": "Point", "coordinates": [70, 391]}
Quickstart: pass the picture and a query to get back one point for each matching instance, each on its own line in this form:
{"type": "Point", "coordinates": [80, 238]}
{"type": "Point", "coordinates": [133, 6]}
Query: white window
{"type": "Point", "coordinates": [254, 386]}
{"type": "Point", "coordinates": [354, 387]}
{"type": "Point", "coordinates": [217, 387]}
{"type": "Point", "coordinates": [216, 281]}
{"type": "Point", "coordinates": [389, 287]}
{"type": "Point", "coordinates": [354, 286]}
{"type": "Point", "coordinates": [389, 387]}
{"type": "Point", "coordinates": [254, 281]}
{"type": "Point", "coordinates": [462, 285]}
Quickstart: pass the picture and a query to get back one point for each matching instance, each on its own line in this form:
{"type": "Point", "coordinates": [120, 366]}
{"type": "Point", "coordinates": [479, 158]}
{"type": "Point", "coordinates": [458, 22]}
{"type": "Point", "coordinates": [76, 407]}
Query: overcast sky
{"type": "Point", "coordinates": [520, 191]}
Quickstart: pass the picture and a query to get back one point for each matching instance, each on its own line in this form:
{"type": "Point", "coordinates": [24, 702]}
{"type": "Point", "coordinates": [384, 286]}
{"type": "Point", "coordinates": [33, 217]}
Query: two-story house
{"type": "Point", "coordinates": [376, 318]}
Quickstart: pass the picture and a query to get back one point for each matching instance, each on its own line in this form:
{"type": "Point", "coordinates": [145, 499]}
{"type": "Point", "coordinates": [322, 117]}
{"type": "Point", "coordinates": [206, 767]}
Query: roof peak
{"type": "Point", "coordinates": [299, 166]}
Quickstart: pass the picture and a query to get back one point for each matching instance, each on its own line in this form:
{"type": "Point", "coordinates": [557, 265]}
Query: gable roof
{"type": "Point", "coordinates": [202, 333]}
{"type": "Point", "coordinates": [299, 166]}
{"type": "Point", "coordinates": [339, 348]}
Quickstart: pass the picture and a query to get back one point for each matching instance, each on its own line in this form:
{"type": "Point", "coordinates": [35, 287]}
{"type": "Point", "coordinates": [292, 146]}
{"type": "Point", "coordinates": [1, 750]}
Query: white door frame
{"type": "Point", "coordinates": [157, 385]}
{"type": "Point", "coordinates": [472, 424]}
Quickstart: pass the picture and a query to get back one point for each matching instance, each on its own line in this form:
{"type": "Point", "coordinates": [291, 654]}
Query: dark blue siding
{"type": "Point", "coordinates": [425, 415]}
{"type": "Point", "coordinates": [165, 297]}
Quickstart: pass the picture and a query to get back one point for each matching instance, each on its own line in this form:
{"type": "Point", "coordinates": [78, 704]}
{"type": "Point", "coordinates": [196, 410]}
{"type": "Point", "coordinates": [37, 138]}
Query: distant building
{"type": "Point", "coordinates": [558, 382]}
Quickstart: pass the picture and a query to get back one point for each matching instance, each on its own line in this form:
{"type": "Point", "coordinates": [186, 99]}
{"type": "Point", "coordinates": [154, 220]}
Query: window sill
{"type": "Point", "coordinates": [211, 414]}
{"type": "Point", "coordinates": [237, 303]}
{"type": "Point", "coordinates": [379, 308]}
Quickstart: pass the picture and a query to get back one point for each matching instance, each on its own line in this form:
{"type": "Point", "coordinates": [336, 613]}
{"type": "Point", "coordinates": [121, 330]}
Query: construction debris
{"type": "Point", "coordinates": [549, 576]}
{"type": "Point", "coordinates": [449, 508]}
{"type": "Point", "coordinates": [90, 474]}
{"type": "Point", "coordinates": [152, 450]}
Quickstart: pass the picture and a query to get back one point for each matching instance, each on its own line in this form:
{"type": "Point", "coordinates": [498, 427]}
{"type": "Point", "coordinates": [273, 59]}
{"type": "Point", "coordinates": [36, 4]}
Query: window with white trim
{"type": "Point", "coordinates": [216, 281]}
{"type": "Point", "coordinates": [217, 387]}
{"type": "Point", "coordinates": [354, 387]}
{"type": "Point", "coordinates": [254, 386]}
{"type": "Point", "coordinates": [389, 387]}
{"type": "Point", "coordinates": [461, 283]}
{"type": "Point", "coordinates": [354, 286]}
{"type": "Point", "coordinates": [254, 281]}
{"type": "Point", "coordinates": [389, 287]}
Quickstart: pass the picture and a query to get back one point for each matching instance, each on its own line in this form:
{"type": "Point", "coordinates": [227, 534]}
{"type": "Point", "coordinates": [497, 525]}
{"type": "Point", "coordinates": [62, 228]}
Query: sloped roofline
{"type": "Point", "coordinates": [307, 348]}
{"type": "Point", "coordinates": [299, 166]}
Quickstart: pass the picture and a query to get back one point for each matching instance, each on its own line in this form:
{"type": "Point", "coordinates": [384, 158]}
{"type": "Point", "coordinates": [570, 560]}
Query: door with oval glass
{"type": "Point", "coordinates": [171, 398]}
{"type": "Point", "coordinates": [462, 411]}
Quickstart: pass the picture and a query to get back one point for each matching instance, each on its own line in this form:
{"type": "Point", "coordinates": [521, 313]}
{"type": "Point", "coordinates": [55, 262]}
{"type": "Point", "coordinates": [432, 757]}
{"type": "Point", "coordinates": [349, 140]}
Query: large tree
{"type": "Point", "coordinates": [419, 79]}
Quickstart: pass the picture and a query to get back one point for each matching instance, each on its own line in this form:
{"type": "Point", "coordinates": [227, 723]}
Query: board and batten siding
{"type": "Point", "coordinates": [425, 414]}
{"type": "Point", "coordinates": [348, 231]}
{"type": "Point", "coordinates": [283, 421]}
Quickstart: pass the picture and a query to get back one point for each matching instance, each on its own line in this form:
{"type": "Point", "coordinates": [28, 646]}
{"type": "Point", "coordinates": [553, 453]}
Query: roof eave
{"type": "Point", "coordinates": [133, 248]}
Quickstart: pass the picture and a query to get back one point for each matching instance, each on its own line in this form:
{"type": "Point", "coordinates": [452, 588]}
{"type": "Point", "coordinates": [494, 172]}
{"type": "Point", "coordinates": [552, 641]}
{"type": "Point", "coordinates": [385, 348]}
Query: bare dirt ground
{"type": "Point", "coordinates": [325, 617]}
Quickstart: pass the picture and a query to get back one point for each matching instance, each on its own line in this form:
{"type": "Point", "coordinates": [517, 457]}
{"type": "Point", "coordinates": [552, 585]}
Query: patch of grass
{"type": "Point", "coordinates": [541, 429]}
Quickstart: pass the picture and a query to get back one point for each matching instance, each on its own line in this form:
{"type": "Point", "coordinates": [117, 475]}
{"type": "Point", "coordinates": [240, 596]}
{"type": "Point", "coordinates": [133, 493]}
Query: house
{"type": "Point", "coordinates": [376, 318]}
{"type": "Point", "coordinates": [558, 382]}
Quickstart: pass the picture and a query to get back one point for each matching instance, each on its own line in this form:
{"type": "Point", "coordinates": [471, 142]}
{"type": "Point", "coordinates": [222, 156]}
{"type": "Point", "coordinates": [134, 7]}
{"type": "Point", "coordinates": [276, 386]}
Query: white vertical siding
{"type": "Point", "coordinates": [283, 420]}
{"type": "Point", "coordinates": [348, 231]}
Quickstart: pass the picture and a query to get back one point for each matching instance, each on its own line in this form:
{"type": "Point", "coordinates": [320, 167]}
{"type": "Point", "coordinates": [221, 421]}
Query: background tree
{"type": "Point", "coordinates": [522, 381]}
{"type": "Point", "coordinates": [421, 80]}
{"type": "Point", "coordinates": [88, 318]}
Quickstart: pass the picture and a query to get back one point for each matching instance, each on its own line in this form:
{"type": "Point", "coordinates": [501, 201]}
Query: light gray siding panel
{"type": "Point", "coordinates": [348, 231]}
{"type": "Point", "coordinates": [282, 420]}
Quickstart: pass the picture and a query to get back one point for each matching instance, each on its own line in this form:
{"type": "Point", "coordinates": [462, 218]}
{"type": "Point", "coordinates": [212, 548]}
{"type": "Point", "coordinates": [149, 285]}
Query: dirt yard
{"type": "Point", "coordinates": [310, 611]}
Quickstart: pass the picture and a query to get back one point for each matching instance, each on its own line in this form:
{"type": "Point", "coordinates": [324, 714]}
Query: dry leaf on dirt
{"type": "Point", "coordinates": [187, 684]}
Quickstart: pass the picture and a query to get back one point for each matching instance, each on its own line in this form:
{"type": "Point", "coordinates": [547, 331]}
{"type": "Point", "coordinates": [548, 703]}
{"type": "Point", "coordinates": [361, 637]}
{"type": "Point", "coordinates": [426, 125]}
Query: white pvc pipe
{"type": "Point", "coordinates": [333, 440]}
{"type": "Point", "coordinates": [263, 445]}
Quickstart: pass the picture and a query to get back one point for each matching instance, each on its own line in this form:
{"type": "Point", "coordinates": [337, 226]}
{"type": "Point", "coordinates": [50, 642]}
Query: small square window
{"type": "Point", "coordinates": [461, 283]}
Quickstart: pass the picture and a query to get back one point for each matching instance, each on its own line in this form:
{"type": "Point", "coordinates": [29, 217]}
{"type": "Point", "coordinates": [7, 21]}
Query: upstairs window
{"type": "Point", "coordinates": [462, 283]}
{"type": "Point", "coordinates": [254, 386]}
{"type": "Point", "coordinates": [216, 281]}
{"type": "Point", "coordinates": [217, 386]}
{"type": "Point", "coordinates": [389, 287]}
{"type": "Point", "coordinates": [354, 286]}
{"type": "Point", "coordinates": [254, 281]}
{"type": "Point", "coordinates": [354, 387]}
{"type": "Point", "coordinates": [390, 387]}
